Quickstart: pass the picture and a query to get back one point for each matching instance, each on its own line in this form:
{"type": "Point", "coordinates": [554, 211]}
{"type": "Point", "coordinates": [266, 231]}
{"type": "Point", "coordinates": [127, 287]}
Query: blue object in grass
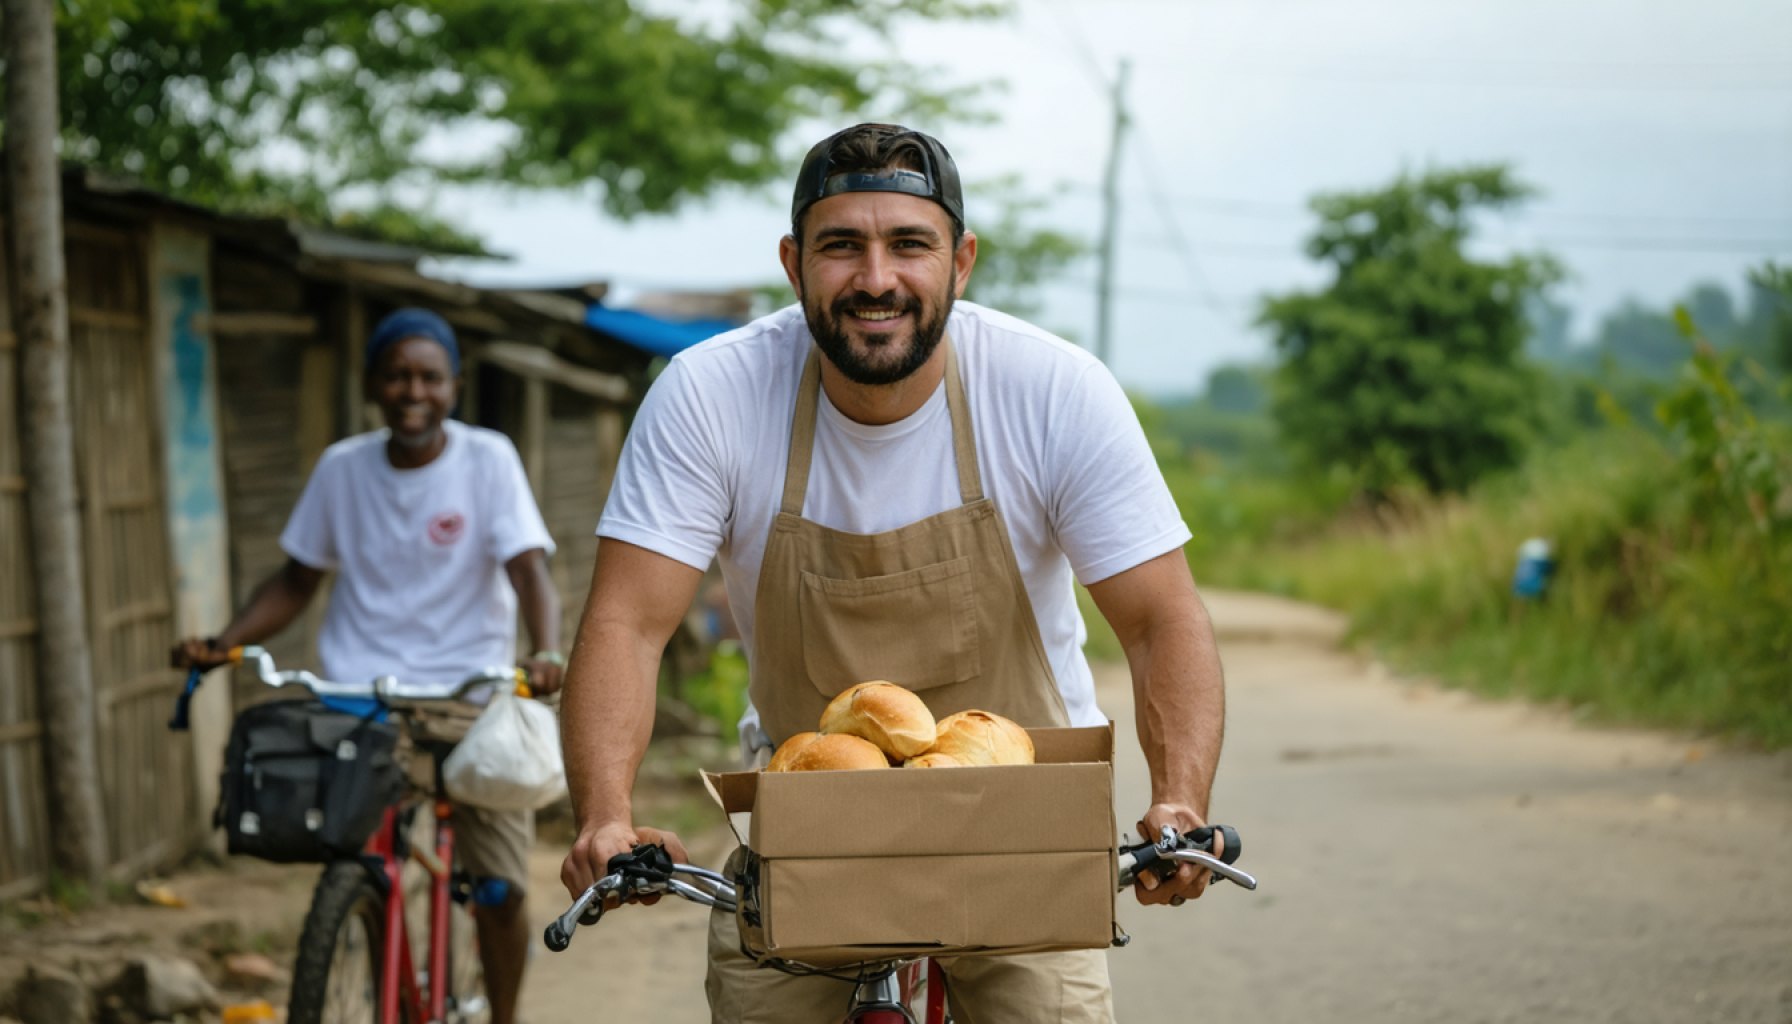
{"type": "Point", "coordinates": [1536, 566]}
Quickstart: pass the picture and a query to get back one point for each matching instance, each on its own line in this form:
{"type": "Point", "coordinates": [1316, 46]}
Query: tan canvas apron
{"type": "Point", "coordinates": [938, 605]}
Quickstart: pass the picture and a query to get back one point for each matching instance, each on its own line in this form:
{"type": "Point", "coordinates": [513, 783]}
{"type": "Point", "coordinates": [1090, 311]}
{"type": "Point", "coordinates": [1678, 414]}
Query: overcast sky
{"type": "Point", "coordinates": [1658, 131]}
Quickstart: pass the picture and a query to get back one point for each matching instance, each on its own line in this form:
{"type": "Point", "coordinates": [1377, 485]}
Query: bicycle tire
{"type": "Point", "coordinates": [336, 976]}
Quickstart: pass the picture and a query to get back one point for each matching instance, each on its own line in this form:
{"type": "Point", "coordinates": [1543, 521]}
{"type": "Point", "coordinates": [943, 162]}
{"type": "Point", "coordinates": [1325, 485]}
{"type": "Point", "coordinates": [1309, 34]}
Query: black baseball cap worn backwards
{"type": "Point", "coordinates": [937, 180]}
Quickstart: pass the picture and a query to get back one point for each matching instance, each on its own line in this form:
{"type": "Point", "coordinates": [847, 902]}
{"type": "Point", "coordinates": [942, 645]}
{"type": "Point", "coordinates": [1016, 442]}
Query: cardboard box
{"type": "Point", "coordinates": [855, 866]}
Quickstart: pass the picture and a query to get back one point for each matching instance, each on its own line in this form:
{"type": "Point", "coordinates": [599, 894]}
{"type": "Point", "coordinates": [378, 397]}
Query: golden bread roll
{"type": "Point", "coordinates": [786, 751]}
{"type": "Point", "coordinates": [982, 738]}
{"type": "Point", "coordinates": [933, 760]}
{"type": "Point", "coordinates": [833, 754]}
{"type": "Point", "coordinates": [886, 714]}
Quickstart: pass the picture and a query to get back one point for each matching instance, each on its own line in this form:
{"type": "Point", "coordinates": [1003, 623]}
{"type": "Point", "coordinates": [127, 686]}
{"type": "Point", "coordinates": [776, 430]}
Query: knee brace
{"type": "Point", "coordinates": [493, 892]}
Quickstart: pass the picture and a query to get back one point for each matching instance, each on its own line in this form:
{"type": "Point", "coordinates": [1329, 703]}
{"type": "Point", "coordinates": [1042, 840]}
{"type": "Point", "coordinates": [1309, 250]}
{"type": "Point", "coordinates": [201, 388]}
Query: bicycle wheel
{"type": "Point", "coordinates": [336, 978]}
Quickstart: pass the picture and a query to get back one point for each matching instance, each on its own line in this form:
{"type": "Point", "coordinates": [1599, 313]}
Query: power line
{"type": "Point", "coordinates": [1079, 45]}
{"type": "Point", "coordinates": [1348, 75]}
{"type": "Point", "coordinates": [1178, 240]}
{"type": "Point", "coordinates": [1220, 304]}
{"type": "Point", "coordinates": [1763, 246]}
{"type": "Point", "coordinates": [1274, 210]}
{"type": "Point", "coordinates": [1270, 250]}
{"type": "Point", "coordinates": [1755, 245]}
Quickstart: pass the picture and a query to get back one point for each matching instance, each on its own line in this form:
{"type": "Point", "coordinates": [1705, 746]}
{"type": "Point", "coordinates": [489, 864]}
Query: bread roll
{"type": "Point", "coordinates": [886, 714]}
{"type": "Point", "coordinates": [982, 738]}
{"type": "Point", "coordinates": [787, 750]}
{"type": "Point", "coordinates": [832, 754]}
{"type": "Point", "coordinates": [934, 760]}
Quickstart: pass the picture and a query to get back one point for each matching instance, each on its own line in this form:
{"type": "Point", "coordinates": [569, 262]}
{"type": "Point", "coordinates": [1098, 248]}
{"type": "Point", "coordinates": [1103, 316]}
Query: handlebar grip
{"type": "Point", "coordinates": [648, 862]}
{"type": "Point", "coordinates": [1202, 838]}
{"type": "Point", "coordinates": [556, 937]}
{"type": "Point", "coordinates": [184, 702]}
{"type": "Point", "coordinates": [1234, 845]}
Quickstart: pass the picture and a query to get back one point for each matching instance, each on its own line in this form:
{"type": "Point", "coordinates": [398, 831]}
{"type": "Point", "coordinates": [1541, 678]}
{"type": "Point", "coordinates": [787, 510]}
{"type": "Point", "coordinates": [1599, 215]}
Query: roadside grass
{"type": "Point", "coordinates": [1662, 612]}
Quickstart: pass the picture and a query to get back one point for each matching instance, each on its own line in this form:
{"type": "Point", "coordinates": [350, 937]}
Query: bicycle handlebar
{"type": "Point", "coordinates": [388, 690]}
{"type": "Point", "coordinates": [648, 870]}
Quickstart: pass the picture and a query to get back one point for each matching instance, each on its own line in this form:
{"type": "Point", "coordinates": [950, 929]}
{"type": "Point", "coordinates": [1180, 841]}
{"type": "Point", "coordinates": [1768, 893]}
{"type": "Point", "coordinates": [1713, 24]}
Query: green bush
{"type": "Point", "coordinates": [719, 692]}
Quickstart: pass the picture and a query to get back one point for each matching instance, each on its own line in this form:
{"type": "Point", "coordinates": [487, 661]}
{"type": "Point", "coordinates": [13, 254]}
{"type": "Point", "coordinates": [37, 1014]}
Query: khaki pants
{"type": "Point", "coordinates": [490, 844]}
{"type": "Point", "coordinates": [1034, 988]}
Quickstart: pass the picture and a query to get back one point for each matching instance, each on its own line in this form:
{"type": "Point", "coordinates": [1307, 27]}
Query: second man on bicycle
{"type": "Point", "coordinates": [435, 540]}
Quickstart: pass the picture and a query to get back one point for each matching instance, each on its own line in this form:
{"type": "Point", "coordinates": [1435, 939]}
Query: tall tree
{"type": "Point", "coordinates": [1237, 388]}
{"type": "Point", "coordinates": [1408, 367]}
{"type": "Point", "coordinates": [1773, 308]}
{"type": "Point", "coordinates": [236, 102]}
{"type": "Point", "coordinates": [65, 667]}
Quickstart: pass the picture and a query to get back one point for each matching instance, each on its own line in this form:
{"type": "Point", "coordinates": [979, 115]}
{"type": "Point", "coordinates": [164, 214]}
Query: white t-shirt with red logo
{"type": "Point", "coordinates": [420, 590]}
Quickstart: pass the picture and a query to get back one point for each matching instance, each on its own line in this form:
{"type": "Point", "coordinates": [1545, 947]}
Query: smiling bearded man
{"type": "Point", "coordinates": [898, 485]}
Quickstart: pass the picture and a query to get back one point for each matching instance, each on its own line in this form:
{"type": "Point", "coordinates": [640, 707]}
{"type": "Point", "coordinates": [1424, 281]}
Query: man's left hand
{"type": "Point", "coordinates": [1189, 881]}
{"type": "Point", "coordinates": [544, 676]}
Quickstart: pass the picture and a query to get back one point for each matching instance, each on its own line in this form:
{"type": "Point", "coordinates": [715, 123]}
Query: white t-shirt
{"type": "Point", "coordinates": [419, 554]}
{"type": "Point", "coordinates": [1061, 452]}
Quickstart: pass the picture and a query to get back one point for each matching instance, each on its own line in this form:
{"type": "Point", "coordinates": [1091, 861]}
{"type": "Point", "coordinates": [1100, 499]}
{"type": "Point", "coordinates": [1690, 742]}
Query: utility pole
{"type": "Point", "coordinates": [1110, 224]}
{"type": "Point", "coordinates": [64, 663]}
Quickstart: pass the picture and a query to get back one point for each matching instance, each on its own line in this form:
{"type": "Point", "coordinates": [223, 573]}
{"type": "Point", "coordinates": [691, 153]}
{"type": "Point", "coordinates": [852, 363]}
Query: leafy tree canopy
{"type": "Point", "coordinates": [1238, 388]}
{"type": "Point", "coordinates": [1773, 305]}
{"type": "Point", "coordinates": [236, 102]}
{"type": "Point", "coordinates": [1408, 367]}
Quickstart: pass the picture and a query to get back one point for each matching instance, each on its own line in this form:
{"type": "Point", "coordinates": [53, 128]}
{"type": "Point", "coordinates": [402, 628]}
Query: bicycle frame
{"type": "Point", "coordinates": [398, 974]}
{"type": "Point", "coordinates": [899, 990]}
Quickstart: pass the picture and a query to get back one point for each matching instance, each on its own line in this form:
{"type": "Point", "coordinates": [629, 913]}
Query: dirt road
{"type": "Point", "coordinates": [1425, 857]}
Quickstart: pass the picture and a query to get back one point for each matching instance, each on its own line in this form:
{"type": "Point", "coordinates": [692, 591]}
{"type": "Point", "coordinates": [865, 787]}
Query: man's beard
{"type": "Point", "coordinates": [863, 368]}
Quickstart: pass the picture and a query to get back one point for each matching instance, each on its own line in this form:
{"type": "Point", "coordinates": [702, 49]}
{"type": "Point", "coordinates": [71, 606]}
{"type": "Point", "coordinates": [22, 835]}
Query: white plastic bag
{"type": "Point", "coordinates": [510, 759]}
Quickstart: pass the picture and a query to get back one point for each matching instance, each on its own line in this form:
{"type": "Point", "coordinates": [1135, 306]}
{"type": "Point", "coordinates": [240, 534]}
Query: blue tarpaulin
{"type": "Point", "coordinates": [653, 334]}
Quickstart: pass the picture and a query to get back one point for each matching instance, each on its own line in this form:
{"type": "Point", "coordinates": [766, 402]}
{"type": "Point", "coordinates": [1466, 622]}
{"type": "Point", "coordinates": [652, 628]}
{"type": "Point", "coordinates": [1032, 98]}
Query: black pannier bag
{"type": "Point", "coordinates": [304, 783]}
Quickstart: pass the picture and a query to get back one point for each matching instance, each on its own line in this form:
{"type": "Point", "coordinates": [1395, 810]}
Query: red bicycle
{"type": "Point", "coordinates": [356, 959]}
{"type": "Point", "coordinates": [906, 991]}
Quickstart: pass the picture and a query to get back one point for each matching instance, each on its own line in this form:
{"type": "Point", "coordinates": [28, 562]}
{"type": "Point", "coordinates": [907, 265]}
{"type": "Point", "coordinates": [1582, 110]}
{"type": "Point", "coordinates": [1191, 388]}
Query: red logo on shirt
{"type": "Point", "coordinates": [446, 528]}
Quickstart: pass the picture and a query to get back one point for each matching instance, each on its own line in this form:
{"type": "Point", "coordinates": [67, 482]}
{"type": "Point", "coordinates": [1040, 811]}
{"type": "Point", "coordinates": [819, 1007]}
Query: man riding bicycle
{"type": "Point", "coordinates": [435, 538]}
{"type": "Point", "coordinates": [898, 486]}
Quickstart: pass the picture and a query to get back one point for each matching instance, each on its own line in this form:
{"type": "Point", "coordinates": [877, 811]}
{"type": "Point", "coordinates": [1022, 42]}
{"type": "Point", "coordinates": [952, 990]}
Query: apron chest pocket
{"type": "Point", "coordinates": [916, 628]}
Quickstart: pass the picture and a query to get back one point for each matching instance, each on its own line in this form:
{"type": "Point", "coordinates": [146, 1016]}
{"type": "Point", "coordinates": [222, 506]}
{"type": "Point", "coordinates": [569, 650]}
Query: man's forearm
{"type": "Point", "coordinates": [271, 608]}
{"type": "Point", "coordinates": [537, 598]}
{"type": "Point", "coordinates": [606, 720]}
{"type": "Point", "coordinates": [1180, 707]}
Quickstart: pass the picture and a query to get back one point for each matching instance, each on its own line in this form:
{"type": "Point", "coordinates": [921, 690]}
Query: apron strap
{"type": "Point", "coordinates": [802, 433]}
{"type": "Point", "coordinates": [964, 440]}
{"type": "Point", "coordinates": [802, 436]}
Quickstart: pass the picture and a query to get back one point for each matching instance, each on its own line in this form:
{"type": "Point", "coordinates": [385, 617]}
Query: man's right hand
{"type": "Point", "coordinates": [198, 652]}
{"type": "Point", "coordinates": [590, 856]}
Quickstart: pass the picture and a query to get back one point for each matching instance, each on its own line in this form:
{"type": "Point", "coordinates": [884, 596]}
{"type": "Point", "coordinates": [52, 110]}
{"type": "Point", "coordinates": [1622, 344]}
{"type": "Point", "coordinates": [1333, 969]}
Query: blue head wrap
{"type": "Point", "coordinates": [412, 322]}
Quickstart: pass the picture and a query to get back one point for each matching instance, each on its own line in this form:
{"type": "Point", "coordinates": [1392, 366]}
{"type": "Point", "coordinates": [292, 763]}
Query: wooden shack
{"type": "Point", "coordinates": [214, 358]}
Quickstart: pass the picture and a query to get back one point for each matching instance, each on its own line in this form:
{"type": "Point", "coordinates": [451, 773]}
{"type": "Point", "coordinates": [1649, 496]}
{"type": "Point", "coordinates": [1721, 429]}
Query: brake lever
{"type": "Point", "coordinates": [1161, 858]}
